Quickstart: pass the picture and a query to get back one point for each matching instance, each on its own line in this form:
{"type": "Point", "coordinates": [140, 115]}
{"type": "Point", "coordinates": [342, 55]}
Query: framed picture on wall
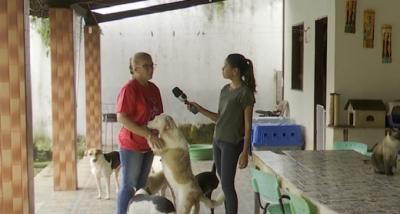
{"type": "Point", "coordinates": [351, 8]}
{"type": "Point", "coordinates": [369, 24]}
{"type": "Point", "coordinates": [386, 44]}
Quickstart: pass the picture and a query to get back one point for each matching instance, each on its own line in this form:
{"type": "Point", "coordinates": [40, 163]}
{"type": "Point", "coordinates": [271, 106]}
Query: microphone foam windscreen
{"type": "Point", "coordinates": [177, 92]}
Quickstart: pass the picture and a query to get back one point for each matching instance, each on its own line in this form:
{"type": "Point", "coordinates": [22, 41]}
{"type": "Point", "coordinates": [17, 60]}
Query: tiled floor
{"type": "Point", "coordinates": [84, 199]}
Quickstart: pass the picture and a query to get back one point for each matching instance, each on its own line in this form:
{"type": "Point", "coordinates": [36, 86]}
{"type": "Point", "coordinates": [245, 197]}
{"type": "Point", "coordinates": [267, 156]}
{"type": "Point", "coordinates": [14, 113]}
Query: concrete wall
{"type": "Point", "coordinates": [352, 71]}
{"type": "Point", "coordinates": [302, 102]}
{"type": "Point", "coordinates": [41, 84]}
{"type": "Point", "coordinates": [189, 47]}
{"type": "Point", "coordinates": [360, 72]}
{"type": "Point", "coordinates": [41, 80]}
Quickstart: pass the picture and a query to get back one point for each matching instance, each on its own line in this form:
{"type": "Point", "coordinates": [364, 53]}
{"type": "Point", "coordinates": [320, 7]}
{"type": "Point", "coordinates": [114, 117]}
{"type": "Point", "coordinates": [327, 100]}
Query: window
{"type": "Point", "coordinates": [297, 57]}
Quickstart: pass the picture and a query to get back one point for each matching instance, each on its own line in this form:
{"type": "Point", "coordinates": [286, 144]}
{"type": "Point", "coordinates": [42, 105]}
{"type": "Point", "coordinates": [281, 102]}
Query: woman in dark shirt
{"type": "Point", "coordinates": [233, 124]}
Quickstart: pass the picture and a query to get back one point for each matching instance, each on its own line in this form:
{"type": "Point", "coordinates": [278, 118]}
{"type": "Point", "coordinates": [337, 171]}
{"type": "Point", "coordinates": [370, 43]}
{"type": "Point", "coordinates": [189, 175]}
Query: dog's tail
{"type": "Point", "coordinates": [372, 148]}
{"type": "Point", "coordinates": [214, 169]}
{"type": "Point", "coordinates": [213, 203]}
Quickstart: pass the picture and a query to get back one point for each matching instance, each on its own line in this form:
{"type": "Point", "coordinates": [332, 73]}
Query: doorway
{"type": "Point", "coordinates": [321, 43]}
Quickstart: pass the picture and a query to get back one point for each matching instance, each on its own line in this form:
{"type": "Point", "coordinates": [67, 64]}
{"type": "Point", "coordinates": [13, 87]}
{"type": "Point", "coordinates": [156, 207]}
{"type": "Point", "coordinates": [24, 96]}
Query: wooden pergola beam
{"type": "Point", "coordinates": [110, 3]}
{"type": "Point", "coordinates": [149, 10]}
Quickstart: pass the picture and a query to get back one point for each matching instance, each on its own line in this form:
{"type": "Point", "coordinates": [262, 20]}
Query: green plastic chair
{"type": "Point", "coordinates": [361, 148]}
{"type": "Point", "coordinates": [298, 205]}
{"type": "Point", "coordinates": [266, 186]}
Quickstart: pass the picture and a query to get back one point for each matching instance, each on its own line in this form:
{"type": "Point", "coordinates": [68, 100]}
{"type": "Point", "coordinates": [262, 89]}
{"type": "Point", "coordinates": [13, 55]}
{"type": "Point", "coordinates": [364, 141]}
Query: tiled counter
{"type": "Point", "coordinates": [335, 181]}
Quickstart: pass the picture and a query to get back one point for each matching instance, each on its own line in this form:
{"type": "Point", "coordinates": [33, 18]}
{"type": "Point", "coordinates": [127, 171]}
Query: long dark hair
{"type": "Point", "coordinates": [245, 67]}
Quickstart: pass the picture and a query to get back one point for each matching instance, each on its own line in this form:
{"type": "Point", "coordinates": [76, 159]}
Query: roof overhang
{"type": "Point", "coordinates": [86, 8]}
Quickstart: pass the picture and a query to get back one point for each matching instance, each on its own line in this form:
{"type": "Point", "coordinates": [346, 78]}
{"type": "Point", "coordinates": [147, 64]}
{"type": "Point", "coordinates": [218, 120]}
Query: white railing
{"type": "Point", "coordinates": [321, 125]}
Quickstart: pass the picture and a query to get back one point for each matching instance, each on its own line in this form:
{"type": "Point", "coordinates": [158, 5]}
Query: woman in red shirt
{"type": "Point", "coordinates": [138, 102]}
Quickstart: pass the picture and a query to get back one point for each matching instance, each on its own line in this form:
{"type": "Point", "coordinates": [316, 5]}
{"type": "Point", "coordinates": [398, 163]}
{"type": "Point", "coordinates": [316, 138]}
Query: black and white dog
{"type": "Point", "coordinates": [103, 165]}
{"type": "Point", "coordinates": [152, 204]}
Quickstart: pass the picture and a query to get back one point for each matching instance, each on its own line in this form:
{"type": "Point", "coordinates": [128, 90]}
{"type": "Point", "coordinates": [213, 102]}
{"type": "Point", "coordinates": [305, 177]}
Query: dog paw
{"type": "Point", "coordinates": [98, 197]}
{"type": "Point", "coordinates": [107, 197]}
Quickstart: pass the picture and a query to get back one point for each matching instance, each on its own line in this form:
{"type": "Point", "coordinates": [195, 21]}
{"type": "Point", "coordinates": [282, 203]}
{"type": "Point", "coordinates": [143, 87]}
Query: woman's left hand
{"type": "Point", "coordinates": [243, 160]}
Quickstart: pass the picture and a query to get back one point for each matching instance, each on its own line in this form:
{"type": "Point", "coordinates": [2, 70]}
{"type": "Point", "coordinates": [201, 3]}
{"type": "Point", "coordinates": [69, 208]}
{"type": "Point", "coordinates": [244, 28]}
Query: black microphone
{"type": "Point", "coordinates": [183, 98]}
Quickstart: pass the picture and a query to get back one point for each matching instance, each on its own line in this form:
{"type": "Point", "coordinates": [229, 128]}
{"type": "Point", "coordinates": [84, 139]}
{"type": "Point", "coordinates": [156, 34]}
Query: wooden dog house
{"type": "Point", "coordinates": [366, 113]}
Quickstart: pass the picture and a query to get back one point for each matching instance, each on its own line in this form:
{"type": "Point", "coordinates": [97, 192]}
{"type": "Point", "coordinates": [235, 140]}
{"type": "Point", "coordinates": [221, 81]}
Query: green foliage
{"type": "Point", "coordinates": [80, 146]}
{"type": "Point", "coordinates": [201, 134]}
{"type": "Point", "coordinates": [42, 150]}
{"type": "Point", "coordinates": [42, 27]}
{"type": "Point", "coordinates": [220, 8]}
{"type": "Point", "coordinates": [42, 147]}
{"type": "Point", "coordinates": [38, 166]}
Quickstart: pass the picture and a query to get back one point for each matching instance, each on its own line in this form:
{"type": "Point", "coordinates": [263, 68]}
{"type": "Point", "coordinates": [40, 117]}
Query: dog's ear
{"type": "Point", "coordinates": [169, 123]}
{"type": "Point", "coordinates": [99, 152]}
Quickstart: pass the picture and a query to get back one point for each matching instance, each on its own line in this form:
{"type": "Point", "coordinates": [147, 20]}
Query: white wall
{"type": "Point", "coordinates": [40, 84]}
{"type": "Point", "coordinates": [189, 47]}
{"type": "Point", "coordinates": [302, 102]}
{"type": "Point", "coordinates": [360, 72]}
{"type": "Point", "coordinates": [80, 82]}
{"type": "Point", "coordinates": [41, 81]}
{"type": "Point", "coordinates": [352, 71]}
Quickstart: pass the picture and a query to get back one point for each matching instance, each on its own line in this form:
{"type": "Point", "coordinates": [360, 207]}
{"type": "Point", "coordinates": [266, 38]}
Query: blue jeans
{"type": "Point", "coordinates": [226, 156]}
{"type": "Point", "coordinates": [135, 168]}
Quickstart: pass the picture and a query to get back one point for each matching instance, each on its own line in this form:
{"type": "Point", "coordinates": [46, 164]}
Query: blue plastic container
{"type": "Point", "coordinates": [267, 136]}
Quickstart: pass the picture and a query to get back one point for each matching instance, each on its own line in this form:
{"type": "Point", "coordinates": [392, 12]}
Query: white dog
{"type": "Point", "coordinates": [177, 168]}
{"type": "Point", "coordinates": [102, 165]}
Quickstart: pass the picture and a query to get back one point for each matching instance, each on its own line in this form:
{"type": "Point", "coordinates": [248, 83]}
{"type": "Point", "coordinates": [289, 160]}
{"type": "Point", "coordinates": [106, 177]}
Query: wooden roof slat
{"type": "Point", "coordinates": [110, 3]}
{"type": "Point", "coordinates": [149, 10]}
{"type": "Point", "coordinates": [39, 8]}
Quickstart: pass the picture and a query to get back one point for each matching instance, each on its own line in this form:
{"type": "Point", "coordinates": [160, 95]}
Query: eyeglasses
{"type": "Point", "coordinates": [146, 66]}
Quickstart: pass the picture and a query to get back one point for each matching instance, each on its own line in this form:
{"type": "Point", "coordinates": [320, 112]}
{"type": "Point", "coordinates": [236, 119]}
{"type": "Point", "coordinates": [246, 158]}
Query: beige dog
{"type": "Point", "coordinates": [177, 168]}
{"type": "Point", "coordinates": [384, 154]}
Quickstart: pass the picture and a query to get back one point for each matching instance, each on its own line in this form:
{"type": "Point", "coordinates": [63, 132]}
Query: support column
{"type": "Point", "coordinates": [16, 171]}
{"type": "Point", "coordinates": [93, 87]}
{"type": "Point", "coordinates": [63, 99]}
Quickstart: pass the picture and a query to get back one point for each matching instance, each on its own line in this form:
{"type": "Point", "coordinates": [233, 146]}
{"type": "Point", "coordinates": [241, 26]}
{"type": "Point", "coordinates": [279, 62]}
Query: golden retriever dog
{"type": "Point", "coordinates": [177, 168]}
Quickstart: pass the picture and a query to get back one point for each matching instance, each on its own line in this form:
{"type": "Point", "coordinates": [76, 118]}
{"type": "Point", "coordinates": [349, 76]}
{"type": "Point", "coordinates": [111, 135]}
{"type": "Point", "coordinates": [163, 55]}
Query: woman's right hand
{"type": "Point", "coordinates": [155, 143]}
{"type": "Point", "coordinates": [189, 104]}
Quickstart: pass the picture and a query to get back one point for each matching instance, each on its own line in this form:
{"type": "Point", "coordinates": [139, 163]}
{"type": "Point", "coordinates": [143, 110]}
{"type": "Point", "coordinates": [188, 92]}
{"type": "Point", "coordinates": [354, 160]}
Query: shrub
{"type": "Point", "coordinates": [80, 146]}
{"type": "Point", "coordinates": [198, 134]}
{"type": "Point", "coordinates": [42, 149]}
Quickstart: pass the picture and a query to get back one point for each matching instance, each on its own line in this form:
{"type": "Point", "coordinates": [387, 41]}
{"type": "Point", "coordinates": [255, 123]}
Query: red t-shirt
{"type": "Point", "coordinates": [141, 104]}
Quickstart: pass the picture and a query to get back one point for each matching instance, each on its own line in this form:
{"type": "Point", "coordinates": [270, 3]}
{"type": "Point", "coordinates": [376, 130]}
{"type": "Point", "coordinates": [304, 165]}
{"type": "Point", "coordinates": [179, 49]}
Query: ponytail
{"type": "Point", "coordinates": [248, 75]}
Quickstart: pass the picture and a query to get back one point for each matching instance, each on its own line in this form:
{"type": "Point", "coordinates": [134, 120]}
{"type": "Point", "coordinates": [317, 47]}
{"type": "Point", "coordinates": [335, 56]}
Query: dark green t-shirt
{"type": "Point", "coordinates": [230, 124]}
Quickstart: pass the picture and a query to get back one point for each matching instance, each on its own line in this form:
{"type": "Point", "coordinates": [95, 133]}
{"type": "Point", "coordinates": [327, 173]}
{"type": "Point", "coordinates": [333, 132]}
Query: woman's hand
{"type": "Point", "coordinates": [189, 104]}
{"type": "Point", "coordinates": [156, 144]}
{"type": "Point", "coordinates": [243, 159]}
